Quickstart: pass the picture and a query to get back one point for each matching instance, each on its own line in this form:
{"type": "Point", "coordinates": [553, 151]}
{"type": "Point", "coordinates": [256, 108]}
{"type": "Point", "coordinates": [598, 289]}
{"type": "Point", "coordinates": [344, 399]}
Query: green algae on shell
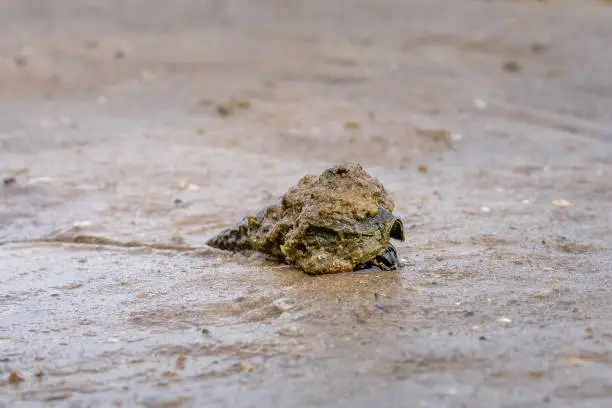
{"type": "Point", "coordinates": [337, 222]}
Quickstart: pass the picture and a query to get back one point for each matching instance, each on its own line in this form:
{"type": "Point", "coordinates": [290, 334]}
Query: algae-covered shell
{"type": "Point", "coordinates": [337, 222]}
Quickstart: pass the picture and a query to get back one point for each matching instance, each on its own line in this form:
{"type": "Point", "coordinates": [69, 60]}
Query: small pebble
{"type": "Point", "coordinates": [539, 47]}
{"type": "Point", "coordinates": [436, 135]}
{"type": "Point", "coordinates": [9, 181]}
{"type": "Point", "coordinates": [180, 361]}
{"type": "Point", "coordinates": [241, 103]}
{"type": "Point", "coordinates": [512, 66]}
{"type": "Point", "coordinates": [562, 203]}
{"type": "Point", "coordinates": [381, 308]}
{"type": "Point", "coordinates": [225, 109]}
{"type": "Point", "coordinates": [290, 331]}
{"type": "Point", "coordinates": [351, 124]}
{"type": "Point", "coordinates": [39, 371]}
{"type": "Point", "coordinates": [244, 366]}
{"type": "Point", "coordinates": [177, 237]}
{"type": "Point", "coordinates": [480, 104]}
{"type": "Point", "coordinates": [482, 338]}
{"type": "Point", "coordinates": [15, 377]}
{"type": "Point", "coordinates": [284, 304]}
{"type": "Point", "coordinates": [21, 61]}
{"type": "Point", "coordinates": [38, 180]}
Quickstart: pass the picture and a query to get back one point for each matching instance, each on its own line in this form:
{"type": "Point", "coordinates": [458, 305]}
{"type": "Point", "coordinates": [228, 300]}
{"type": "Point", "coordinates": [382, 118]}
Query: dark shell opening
{"type": "Point", "coordinates": [397, 230]}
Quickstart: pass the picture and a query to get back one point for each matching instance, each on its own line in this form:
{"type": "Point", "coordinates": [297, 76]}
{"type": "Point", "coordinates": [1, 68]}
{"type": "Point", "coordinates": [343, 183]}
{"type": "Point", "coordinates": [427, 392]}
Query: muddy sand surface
{"type": "Point", "coordinates": [124, 164]}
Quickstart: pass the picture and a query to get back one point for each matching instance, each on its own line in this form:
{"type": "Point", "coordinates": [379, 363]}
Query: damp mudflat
{"type": "Point", "coordinates": [132, 132]}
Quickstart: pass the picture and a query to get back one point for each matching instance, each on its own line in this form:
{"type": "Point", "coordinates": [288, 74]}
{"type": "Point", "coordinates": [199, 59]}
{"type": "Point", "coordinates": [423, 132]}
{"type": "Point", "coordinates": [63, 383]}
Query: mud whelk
{"type": "Point", "coordinates": [337, 222]}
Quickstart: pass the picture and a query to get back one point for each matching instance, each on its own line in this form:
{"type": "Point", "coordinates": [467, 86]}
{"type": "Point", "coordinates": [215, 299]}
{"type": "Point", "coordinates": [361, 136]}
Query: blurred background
{"type": "Point", "coordinates": [131, 131]}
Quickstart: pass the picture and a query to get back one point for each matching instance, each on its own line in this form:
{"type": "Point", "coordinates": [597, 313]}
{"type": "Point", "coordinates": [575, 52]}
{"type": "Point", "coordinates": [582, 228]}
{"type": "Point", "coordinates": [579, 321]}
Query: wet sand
{"type": "Point", "coordinates": [124, 165]}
